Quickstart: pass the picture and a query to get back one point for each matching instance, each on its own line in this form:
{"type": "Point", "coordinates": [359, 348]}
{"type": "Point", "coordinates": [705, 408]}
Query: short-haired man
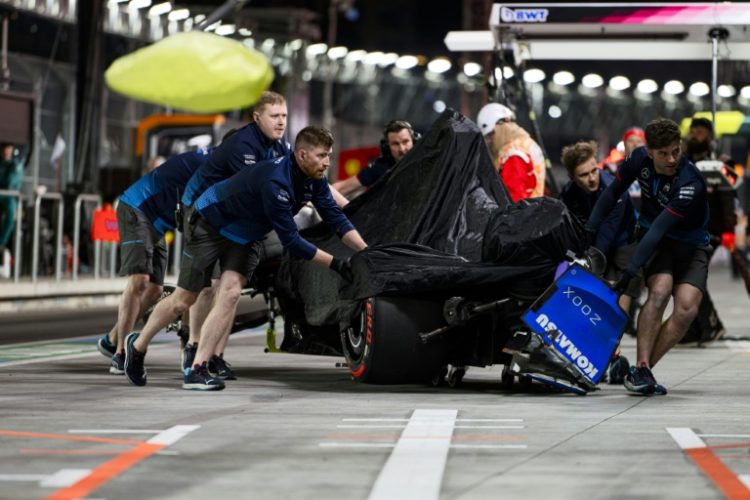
{"type": "Point", "coordinates": [518, 158]}
{"type": "Point", "coordinates": [145, 212]}
{"type": "Point", "coordinates": [398, 139]}
{"type": "Point", "coordinates": [230, 219]}
{"type": "Point", "coordinates": [674, 242]}
{"type": "Point", "coordinates": [262, 139]}
{"type": "Point", "coordinates": [616, 235]}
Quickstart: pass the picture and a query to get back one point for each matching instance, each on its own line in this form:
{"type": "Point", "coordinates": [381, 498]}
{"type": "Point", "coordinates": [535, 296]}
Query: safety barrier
{"type": "Point", "coordinates": [18, 230]}
{"type": "Point", "coordinates": [90, 198]}
{"type": "Point", "coordinates": [59, 237]}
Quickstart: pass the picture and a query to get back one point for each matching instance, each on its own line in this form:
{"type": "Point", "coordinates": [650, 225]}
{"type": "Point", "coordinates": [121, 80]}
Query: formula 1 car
{"type": "Point", "coordinates": [452, 271]}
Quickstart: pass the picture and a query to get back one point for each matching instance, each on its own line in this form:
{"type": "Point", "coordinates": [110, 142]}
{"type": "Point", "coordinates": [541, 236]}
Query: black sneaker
{"type": "Point", "coordinates": [118, 364]}
{"type": "Point", "coordinates": [187, 356]}
{"type": "Point", "coordinates": [184, 335]}
{"type": "Point", "coordinates": [618, 370]}
{"type": "Point", "coordinates": [106, 347]}
{"type": "Point", "coordinates": [197, 378]}
{"type": "Point", "coordinates": [219, 368]}
{"type": "Point", "coordinates": [134, 369]}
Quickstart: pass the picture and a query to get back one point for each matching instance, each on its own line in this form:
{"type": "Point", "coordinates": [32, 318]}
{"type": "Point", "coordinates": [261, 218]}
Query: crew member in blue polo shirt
{"type": "Point", "coordinates": [231, 219]}
{"type": "Point", "coordinates": [145, 212]}
{"type": "Point", "coordinates": [673, 244]}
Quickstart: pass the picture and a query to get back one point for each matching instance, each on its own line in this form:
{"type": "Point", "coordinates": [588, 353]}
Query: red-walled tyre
{"type": "Point", "coordinates": [383, 344]}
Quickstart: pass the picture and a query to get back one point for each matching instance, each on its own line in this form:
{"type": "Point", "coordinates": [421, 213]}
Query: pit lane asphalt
{"type": "Point", "coordinates": [296, 426]}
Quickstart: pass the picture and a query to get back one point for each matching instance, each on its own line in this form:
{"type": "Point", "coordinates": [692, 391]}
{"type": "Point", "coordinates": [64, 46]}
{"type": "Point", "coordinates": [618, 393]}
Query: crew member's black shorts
{"type": "Point", "coordinates": [617, 262]}
{"type": "Point", "coordinates": [204, 247]}
{"type": "Point", "coordinates": [142, 248]}
{"type": "Point", "coordinates": [686, 264]}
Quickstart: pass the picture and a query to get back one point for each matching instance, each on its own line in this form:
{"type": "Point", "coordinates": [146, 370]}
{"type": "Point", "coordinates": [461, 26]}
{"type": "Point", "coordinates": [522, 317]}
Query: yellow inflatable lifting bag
{"type": "Point", "coordinates": [193, 71]}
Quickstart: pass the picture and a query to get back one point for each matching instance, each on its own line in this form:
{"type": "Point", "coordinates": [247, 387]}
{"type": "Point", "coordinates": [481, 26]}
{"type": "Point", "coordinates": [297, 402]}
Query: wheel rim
{"type": "Point", "coordinates": [355, 337]}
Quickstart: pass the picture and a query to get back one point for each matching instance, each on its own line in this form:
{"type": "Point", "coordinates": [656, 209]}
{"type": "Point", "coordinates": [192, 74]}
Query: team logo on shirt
{"type": "Point", "coordinates": [282, 196]}
{"type": "Point", "coordinates": [645, 173]}
{"type": "Point", "coordinates": [249, 159]}
{"type": "Point", "coordinates": [665, 189]}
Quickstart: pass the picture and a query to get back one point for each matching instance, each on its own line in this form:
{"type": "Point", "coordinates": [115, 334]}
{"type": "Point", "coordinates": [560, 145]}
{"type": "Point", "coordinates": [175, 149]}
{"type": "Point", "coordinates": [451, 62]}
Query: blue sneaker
{"type": "Point", "coordinates": [197, 378]}
{"type": "Point", "coordinates": [106, 347]}
{"type": "Point", "coordinates": [641, 381]}
{"type": "Point", "coordinates": [134, 369]}
{"type": "Point", "coordinates": [118, 364]}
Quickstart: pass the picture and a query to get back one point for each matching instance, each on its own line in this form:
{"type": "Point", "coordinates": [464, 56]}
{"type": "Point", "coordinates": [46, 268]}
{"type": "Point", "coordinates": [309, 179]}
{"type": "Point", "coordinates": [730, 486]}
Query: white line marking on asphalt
{"type": "Point", "coordinates": [415, 467]}
{"type": "Point", "coordinates": [173, 434]}
{"type": "Point", "coordinates": [724, 435]}
{"type": "Point", "coordinates": [327, 444]}
{"type": "Point", "coordinates": [64, 478]}
{"type": "Point", "coordinates": [376, 426]}
{"type": "Point", "coordinates": [47, 359]}
{"type": "Point", "coordinates": [407, 420]}
{"type": "Point", "coordinates": [745, 478]}
{"type": "Point", "coordinates": [686, 438]}
{"type": "Point", "coordinates": [738, 345]}
{"type": "Point", "coordinates": [22, 477]}
{"type": "Point", "coordinates": [114, 431]}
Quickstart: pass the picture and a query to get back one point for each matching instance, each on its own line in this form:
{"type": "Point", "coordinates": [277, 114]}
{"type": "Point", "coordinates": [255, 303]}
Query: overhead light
{"type": "Point", "coordinates": [356, 56]}
{"type": "Point", "coordinates": [699, 89]}
{"type": "Point", "coordinates": [373, 58]}
{"type": "Point", "coordinates": [387, 59]}
{"type": "Point", "coordinates": [438, 106]}
{"type": "Point", "coordinates": [554, 111]}
{"type": "Point", "coordinates": [179, 14]}
{"type": "Point", "coordinates": [533, 75]}
{"type": "Point", "coordinates": [647, 86]}
{"type": "Point", "coordinates": [225, 29]}
{"type": "Point", "coordinates": [316, 49]}
{"type": "Point", "coordinates": [745, 92]}
{"type": "Point", "coordinates": [439, 65]}
{"type": "Point", "coordinates": [472, 69]}
{"type": "Point", "coordinates": [296, 44]}
{"type": "Point", "coordinates": [160, 9]}
{"type": "Point", "coordinates": [268, 45]}
{"type": "Point", "coordinates": [563, 78]}
{"type": "Point", "coordinates": [406, 62]}
{"type": "Point", "coordinates": [337, 52]}
{"type": "Point", "coordinates": [244, 32]}
{"type": "Point", "coordinates": [726, 91]}
{"type": "Point", "coordinates": [674, 87]}
{"type": "Point", "coordinates": [213, 26]}
{"type": "Point", "coordinates": [199, 18]}
{"type": "Point", "coordinates": [139, 4]}
{"type": "Point", "coordinates": [592, 81]}
{"type": "Point", "coordinates": [619, 82]}
{"type": "Point", "coordinates": [506, 73]}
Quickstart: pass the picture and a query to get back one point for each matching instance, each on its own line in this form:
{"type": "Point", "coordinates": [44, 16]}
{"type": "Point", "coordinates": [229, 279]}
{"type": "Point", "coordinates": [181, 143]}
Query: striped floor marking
{"type": "Point", "coordinates": [738, 345]}
{"type": "Point", "coordinates": [415, 467]}
{"type": "Point", "coordinates": [732, 486]}
{"type": "Point", "coordinates": [78, 483]}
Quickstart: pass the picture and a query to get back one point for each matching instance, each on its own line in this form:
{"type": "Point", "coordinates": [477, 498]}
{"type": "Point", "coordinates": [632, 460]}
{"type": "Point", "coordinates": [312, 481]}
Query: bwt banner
{"type": "Point", "coordinates": [352, 161]}
{"type": "Point", "coordinates": [578, 316]}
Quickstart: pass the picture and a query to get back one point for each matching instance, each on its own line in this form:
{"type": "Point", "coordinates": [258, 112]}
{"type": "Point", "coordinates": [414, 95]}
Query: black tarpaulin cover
{"type": "Point", "coordinates": [435, 225]}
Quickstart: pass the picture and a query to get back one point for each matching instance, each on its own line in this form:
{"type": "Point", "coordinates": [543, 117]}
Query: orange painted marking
{"type": "Point", "coordinates": [55, 451]}
{"type": "Point", "coordinates": [720, 474]}
{"type": "Point", "coordinates": [106, 472]}
{"type": "Point", "coordinates": [65, 437]}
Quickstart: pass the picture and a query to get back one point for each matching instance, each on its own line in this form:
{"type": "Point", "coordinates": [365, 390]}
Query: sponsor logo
{"type": "Point", "coordinates": [567, 347]}
{"type": "Point", "coordinates": [283, 196]}
{"type": "Point", "coordinates": [584, 308]}
{"type": "Point", "coordinates": [523, 15]}
{"type": "Point", "coordinates": [645, 173]}
{"type": "Point", "coordinates": [249, 159]}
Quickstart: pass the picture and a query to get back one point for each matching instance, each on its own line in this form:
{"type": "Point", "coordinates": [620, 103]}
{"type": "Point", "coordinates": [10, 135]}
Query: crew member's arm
{"type": "Point", "coordinates": [348, 186]}
{"type": "Point", "coordinates": [623, 179]}
{"type": "Point", "coordinates": [335, 218]}
{"type": "Point", "coordinates": [610, 227]}
{"type": "Point", "coordinates": [653, 236]}
{"type": "Point", "coordinates": [339, 198]}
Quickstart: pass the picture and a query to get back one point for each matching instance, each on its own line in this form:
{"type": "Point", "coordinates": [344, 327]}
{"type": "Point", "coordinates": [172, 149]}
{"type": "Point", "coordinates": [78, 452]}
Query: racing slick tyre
{"type": "Point", "coordinates": [383, 345]}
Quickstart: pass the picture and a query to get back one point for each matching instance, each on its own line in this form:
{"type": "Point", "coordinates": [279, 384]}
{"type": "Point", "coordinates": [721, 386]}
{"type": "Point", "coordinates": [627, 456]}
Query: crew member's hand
{"type": "Point", "coordinates": [343, 267]}
{"type": "Point", "coordinates": [622, 284]}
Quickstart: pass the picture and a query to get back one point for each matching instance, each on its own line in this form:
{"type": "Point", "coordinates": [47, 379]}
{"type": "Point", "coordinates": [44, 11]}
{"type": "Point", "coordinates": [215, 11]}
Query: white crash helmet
{"type": "Point", "coordinates": [490, 114]}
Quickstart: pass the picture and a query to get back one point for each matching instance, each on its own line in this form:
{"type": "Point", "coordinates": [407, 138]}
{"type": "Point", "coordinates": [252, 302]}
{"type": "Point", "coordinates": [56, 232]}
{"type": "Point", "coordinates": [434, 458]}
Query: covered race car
{"type": "Point", "coordinates": [452, 266]}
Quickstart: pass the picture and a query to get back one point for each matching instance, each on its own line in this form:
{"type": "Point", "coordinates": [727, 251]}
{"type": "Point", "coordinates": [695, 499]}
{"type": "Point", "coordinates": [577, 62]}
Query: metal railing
{"type": "Point", "coordinates": [18, 230]}
{"type": "Point", "coordinates": [59, 237]}
{"type": "Point", "coordinates": [90, 198]}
